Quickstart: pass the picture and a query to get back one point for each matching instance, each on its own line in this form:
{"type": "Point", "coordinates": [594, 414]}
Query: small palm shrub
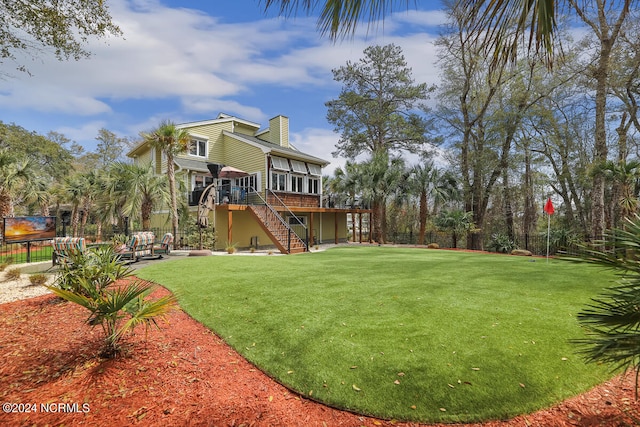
{"type": "Point", "coordinates": [12, 274]}
{"type": "Point", "coordinates": [37, 279]}
{"type": "Point", "coordinates": [231, 248]}
{"type": "Point", "coordinates": [90, 281]}
{"type": "Point", "coordinates": [612, 320]}
{"type": "Point", "coordinates": [99, 267]}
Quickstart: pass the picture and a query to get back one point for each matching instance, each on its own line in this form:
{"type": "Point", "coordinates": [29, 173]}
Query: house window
{"type": "Point", "coordinates": [314, 185]}
{"type": "Point", "coordinates": [248, 182]}
{"type": "Point", "coordinates": [278, 181]}
{"type": "Point", "coordinates": [297, 183]}
{"type": "Point", "coordinates": [297, 220]}
{"type": "Point", "coordinates": [198, 147]}
{"type": "Point", "coordinates": [202, 181]}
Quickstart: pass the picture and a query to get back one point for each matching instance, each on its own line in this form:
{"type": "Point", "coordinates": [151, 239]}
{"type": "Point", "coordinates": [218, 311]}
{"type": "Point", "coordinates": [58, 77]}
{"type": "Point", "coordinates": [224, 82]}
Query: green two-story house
{"type": "Point", "coordinates": [253, 186]}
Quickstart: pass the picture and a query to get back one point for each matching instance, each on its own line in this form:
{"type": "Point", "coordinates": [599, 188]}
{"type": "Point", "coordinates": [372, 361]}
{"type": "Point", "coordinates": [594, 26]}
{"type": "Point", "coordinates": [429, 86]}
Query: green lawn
{"type": "Point", "coordinates": [408, 334]}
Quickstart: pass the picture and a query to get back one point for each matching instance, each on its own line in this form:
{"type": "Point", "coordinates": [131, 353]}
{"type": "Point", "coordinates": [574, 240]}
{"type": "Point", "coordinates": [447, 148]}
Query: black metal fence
{"type": "Point", "coordinates": [535, 243]}
{"type": "Point", "coordinates": [188, 238]}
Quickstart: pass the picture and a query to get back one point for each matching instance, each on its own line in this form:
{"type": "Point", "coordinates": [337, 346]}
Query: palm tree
{"type": "Point", "coordinates": [14, 175]}
{"type": "Point", "coordinates": [172, 141]}
{"type": "Point", "coordinates": [428, 182]}
{"type": "Point", "coordinates": [625, 177]}
{"type": "Point", "coordinates": [458, 222]}
{"type": "Point", "coordinates": [612, 320]}
{"type": "Point", "coordinates": [378, 179]}
{"type": "Point", "coordinates": [73, 188]}
{"type": "Point", "coordinates": [142, 190]}
{"type": "Point", "coordinates": [345, 183]}
{"type": "Point", "coordinates": [501, 23]}
{"type": "Point", "coordinates": [90, 282]}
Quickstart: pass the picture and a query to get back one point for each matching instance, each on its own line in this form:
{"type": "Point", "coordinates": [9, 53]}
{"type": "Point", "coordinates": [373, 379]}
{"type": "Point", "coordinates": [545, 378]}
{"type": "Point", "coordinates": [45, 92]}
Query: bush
{"type": "Point", "coordinates": [612, 319]}
{"type": "Point", "coordinates": [13, 274]}
{"type": "Point", "coordinates": [38, 279]}
{"type": "Point", "coordinates": [91, 283]}
{"type": "Point", "coordinates": [501, 243]}
{"type": "Point", "coordinates": [99, 267]}
{"type": "Point", "coordinates": [433, 246]}
{"type": "Point", "coordinates": [6, 263]}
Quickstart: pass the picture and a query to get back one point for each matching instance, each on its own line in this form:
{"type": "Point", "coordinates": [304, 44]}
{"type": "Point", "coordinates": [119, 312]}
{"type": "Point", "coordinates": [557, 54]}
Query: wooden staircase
{"type": "Point", "coordinates": [277, 229]}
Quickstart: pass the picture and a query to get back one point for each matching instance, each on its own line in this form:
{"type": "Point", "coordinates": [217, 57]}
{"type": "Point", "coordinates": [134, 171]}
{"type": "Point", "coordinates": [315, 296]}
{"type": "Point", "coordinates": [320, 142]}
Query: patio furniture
{"type": "Point", "coordinates": [140, 245]}
{"type": "Point", "coordinates": [63, 247]}
{"type": "Point", "coordinates": [128, 253]}
{"type": "Point", "coordinates": [165, 245]}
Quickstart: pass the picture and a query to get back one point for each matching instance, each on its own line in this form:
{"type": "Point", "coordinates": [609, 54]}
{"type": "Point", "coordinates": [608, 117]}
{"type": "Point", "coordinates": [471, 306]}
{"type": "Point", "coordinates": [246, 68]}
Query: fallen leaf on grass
{"type": "Point", "coordinates": [475, 369]}
{"type": "Point", "coordinates": [356, 388]}
{"type": "Point", "coordinates": [522, 385]}
{"type": "Point", "coordinates": [443, 409]}
{"type": "Point", "coordinates": [396, 382]}
{"type": "Point", "coordinates": [451, 385]}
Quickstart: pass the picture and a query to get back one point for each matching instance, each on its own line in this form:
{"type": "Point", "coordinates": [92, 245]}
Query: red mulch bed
{"type": "Point", "coordinates": [183, 374]}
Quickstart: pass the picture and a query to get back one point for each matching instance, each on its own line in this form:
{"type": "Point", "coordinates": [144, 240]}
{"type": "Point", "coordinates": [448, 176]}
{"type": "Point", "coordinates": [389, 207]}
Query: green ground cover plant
{"type": "Point", "coordinates": [399, 333]}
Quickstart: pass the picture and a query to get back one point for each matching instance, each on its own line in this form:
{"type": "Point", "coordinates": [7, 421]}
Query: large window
{"type": "Point", "coordinates": [295, 176]}
{"type": "Point", "coordinates": [314, 185]}
{"type": "Point", "coordinates": [278, 181]}
{"type": "Point", "coordinates": [202, 181]}
{"type": "Point", "coordinates": [248, 182]}
{"type": "Point", "coordinates": [297, 183]}
{"type": "Point", "coordinates": [198, 147]}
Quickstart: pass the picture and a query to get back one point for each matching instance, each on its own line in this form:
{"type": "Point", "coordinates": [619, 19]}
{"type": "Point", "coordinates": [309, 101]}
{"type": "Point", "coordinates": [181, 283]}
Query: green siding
{"type": "Point", "coordinates": [246, 157]}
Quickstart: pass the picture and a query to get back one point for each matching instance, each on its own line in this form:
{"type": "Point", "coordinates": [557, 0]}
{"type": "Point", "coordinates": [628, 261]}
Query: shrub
{"type": "Point", "coordinates": [38, 279]}
{"type": "Point", "coordinates": [501, 243]}
{"type": "Point", "coordinates": [612, 319]}
{"type": "Point", "coordinates": [231, 248]}
{"type": "Point", "coordinates": [5, 263]}
{"type": "Point", "coordinates": [99, 267]}
{"type": "Point", "coordinates": [433, 246]}
{"type": "Point", "coordinates": [13, 274]}
{"type": "Point", "coordinates": [118, 308]}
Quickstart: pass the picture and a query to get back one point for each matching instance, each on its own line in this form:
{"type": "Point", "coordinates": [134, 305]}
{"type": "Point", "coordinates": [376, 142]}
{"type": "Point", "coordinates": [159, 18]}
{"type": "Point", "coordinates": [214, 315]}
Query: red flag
{"type": "Point", "coordinates": [548, 207]}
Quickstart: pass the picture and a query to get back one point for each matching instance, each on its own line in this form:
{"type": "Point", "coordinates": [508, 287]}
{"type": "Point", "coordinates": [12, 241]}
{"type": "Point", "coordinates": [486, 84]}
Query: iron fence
{"type": "Point", "coordinates": [535, 243]}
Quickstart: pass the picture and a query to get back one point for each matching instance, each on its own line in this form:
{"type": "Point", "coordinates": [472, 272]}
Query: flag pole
{"type": "Point", "coordinates": [548, 234]}
{"type": "Point", "coordinates": [548, 209]}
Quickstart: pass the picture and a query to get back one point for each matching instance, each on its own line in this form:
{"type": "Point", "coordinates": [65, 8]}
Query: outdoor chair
{"type": "Point", "coordinates": [64, 246]}
{"type": "Point", "coordinates": [128, 253]}
{"type": "Point", "coordinates": [145, 243]}
{"type": "Point", "coordinates": [165, 245]}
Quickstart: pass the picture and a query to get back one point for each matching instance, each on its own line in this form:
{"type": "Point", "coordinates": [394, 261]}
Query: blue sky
{"type": "Point", "coordinates": [190, 60]}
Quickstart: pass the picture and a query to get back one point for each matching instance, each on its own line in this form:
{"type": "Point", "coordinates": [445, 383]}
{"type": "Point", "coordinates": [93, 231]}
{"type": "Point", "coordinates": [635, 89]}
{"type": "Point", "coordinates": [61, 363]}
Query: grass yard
{"type": "Point", "coordinates": [408, 334]}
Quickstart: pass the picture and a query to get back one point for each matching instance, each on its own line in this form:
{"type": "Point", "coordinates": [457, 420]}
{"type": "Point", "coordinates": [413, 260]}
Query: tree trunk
{"type": "Point", "coordinates": [423, 217]}
{"type": "Point", "coordinates": [171, 175]}
{"type": "Point", "coordinates": [529, 218]}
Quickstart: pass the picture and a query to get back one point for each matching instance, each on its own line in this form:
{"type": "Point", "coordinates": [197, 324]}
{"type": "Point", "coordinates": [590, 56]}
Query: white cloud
{"type": "Point", "coordinates": [319, 143]}
{"type": "Point", "coordinates": [87, 132]}
{"type": "Point", "coordinates": [182, 64]}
